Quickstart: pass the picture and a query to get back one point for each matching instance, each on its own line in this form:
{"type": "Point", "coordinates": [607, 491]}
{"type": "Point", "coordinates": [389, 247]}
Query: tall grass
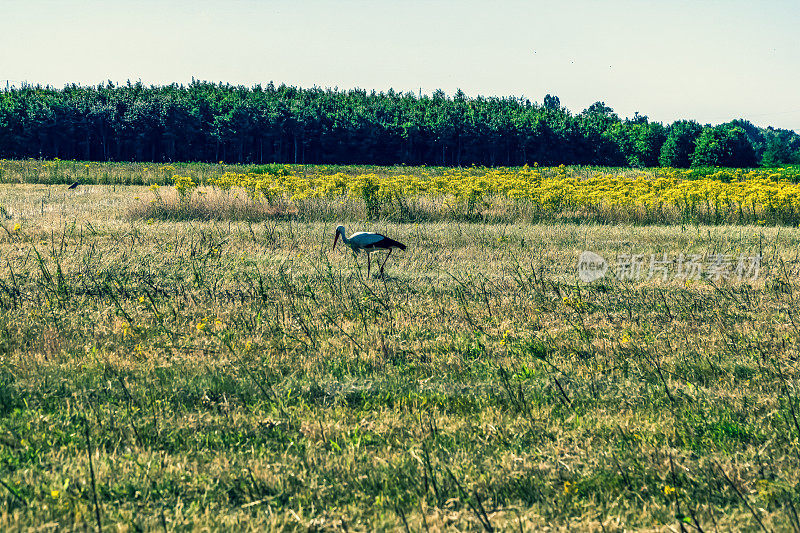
{"type": "Point", "coordinates": [228, 374]}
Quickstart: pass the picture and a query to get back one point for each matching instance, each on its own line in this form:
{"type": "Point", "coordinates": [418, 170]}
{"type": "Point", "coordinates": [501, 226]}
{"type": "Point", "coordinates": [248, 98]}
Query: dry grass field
{"type": "Point", "coordinates": [211, 375]}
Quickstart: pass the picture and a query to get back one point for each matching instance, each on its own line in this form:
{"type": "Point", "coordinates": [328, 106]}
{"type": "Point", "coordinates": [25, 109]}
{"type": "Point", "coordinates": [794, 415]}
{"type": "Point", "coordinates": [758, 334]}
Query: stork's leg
{"type": "Point", "coordinates": [368, 254]}
{"type": "Point", "coordinates": [384, 261]}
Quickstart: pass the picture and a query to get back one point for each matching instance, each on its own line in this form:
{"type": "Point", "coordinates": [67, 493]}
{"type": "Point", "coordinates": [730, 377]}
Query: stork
{"type": "Point", "coordinates": [369, 242]}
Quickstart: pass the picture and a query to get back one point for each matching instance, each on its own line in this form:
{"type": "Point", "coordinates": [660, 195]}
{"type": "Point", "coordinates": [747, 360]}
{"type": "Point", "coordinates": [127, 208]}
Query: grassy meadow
{"type": "Point", "coordinates": [174, 364]}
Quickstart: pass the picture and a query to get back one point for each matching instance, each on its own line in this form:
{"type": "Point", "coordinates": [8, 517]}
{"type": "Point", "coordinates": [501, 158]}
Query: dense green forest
{"type": "Point", "coordinates": [215, 122]}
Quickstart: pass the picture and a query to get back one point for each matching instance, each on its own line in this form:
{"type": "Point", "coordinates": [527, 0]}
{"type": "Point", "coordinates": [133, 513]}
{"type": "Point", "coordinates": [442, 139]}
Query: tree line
{"type": "Point", "coordinates": [204, 121]}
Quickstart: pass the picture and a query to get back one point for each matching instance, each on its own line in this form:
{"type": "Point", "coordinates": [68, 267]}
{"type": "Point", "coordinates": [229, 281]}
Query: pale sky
{"type": "Point", "coordinates": [707, 60]}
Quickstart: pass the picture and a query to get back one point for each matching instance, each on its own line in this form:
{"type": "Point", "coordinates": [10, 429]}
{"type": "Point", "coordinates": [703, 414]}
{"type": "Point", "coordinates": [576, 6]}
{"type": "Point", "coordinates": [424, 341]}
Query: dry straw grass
{"type": "Point", "coordinates": [240, 375]}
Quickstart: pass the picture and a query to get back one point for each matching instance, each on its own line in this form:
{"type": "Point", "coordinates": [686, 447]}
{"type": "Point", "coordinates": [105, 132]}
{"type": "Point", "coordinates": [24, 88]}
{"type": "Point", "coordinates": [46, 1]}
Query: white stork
{"type": "Point", "coordinates": [369, 242]}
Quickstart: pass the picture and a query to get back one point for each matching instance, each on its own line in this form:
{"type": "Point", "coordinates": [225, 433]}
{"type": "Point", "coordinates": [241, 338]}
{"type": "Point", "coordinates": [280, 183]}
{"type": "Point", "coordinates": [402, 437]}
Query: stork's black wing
{"type": "Point", "coordinates": [387, 243]}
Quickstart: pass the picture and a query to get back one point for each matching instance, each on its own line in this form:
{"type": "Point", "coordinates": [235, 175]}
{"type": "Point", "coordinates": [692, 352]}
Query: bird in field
{"type": "Point", "coordinates": [74, 185]}
{"type": "Point", "coordinates": [369, 242]}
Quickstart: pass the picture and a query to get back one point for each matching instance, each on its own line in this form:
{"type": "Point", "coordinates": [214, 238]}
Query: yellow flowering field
{"type": "Point", "coordinates": [659, 195]}
{"type": "Point", "coordinates": [316, 192]}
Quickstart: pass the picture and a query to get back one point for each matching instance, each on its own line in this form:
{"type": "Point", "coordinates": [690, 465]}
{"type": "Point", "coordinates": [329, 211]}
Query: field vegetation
{"type": "Point", "coordinates": [402, 194]}
{"type": "Point", "coordinates": [167, 364]}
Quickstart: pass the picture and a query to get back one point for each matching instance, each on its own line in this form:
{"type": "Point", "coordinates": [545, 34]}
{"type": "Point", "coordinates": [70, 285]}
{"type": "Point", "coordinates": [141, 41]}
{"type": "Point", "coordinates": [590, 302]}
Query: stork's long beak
{"type": "Point", "coordinates": [335, 240]}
